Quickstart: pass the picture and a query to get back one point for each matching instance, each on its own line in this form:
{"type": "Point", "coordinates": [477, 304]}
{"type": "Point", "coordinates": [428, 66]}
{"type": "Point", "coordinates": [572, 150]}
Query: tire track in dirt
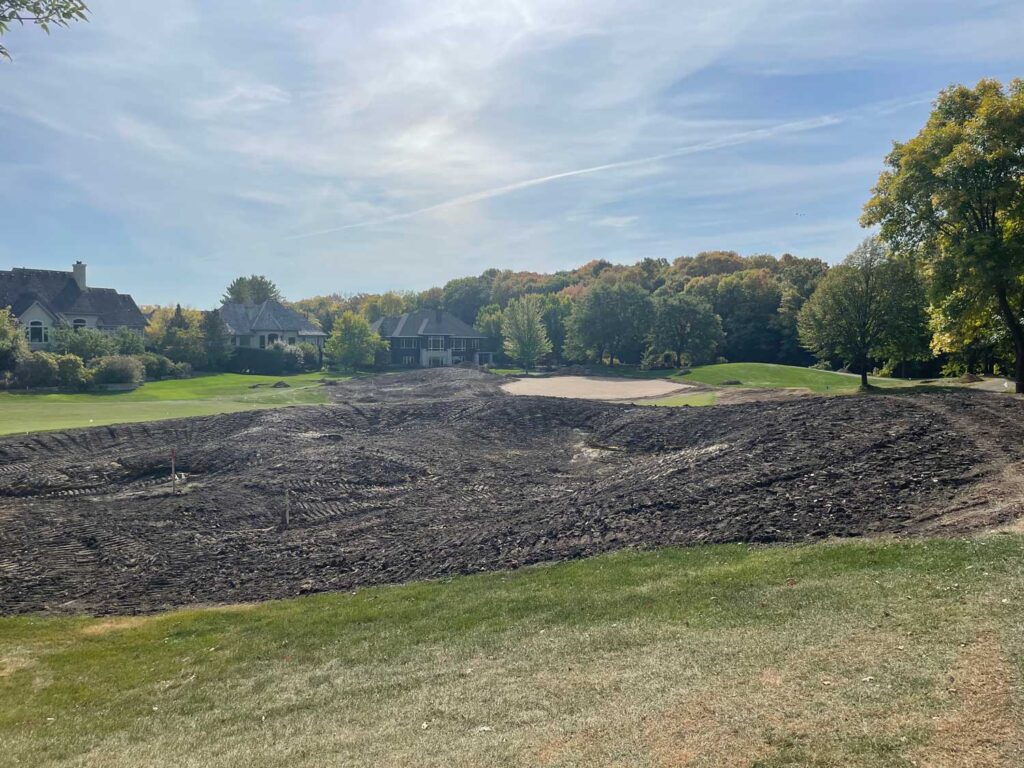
{"type": "Point", "coordinates": [435, 473]}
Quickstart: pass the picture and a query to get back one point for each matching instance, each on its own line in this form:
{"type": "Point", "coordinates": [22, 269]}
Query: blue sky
{"type": "Point", "coordinates": [367, 145]}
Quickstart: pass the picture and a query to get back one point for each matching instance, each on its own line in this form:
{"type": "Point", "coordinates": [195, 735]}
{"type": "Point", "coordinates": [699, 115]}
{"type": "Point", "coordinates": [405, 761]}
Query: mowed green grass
{"type": "Point", "coordinates": [675, 401]}
{"type": "Point", "coordinates": [174, 398]}
{"type": "Point", "coordinates": [771, 376]}
{"type": "Point", "coordinates": [873, 653]}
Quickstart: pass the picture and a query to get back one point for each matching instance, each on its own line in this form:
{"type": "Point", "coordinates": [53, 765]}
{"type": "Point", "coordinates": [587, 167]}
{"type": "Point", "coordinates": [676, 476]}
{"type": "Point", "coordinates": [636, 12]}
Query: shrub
{"type": "Point", "coordinates": [292, 358]}
{"type": "Point", "coordinates": [128, 342]}
{"type": "Point", "coordinates": [182, 371]}
{"type": "Point", "coordinates": [310, 356]}
{"type": "Point", "coordinates": [87, 343]}
{"type": "Point", "coordinates": [157, 366]}
{"type": "Point", "coordinates": [250, 360]}
{"type": "Point", "coordinates": [118, 369]}
{"type": "Point", "coordinates": [36, 369]}
{"type": "Point", "coordinates": [72, 373]}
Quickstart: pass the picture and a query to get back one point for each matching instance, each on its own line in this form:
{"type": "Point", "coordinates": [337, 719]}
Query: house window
{"type": "Point", "coordinates": [474, 343]}
{"type": "Point", "coordinates": [271, 338]}
{"type": "Point", "coordinates": [38, 333]}
{"type": "Point", "coordinates": [78, 323]}
{"type": "Point", "coordinates": [291, 340]}
{"type": "Point", "coordinates": [409, 360]}
{"type": "Point", "coordinates": [458, 345]}
{"type": "Point", "coordinates": [408, 344]}
{"type": "Point", "coordinates": [435, 343]}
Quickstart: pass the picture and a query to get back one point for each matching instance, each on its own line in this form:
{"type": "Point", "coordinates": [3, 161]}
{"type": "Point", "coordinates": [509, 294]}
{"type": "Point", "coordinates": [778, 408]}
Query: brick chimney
{"type": "Point", "coordinates": [78, 269]}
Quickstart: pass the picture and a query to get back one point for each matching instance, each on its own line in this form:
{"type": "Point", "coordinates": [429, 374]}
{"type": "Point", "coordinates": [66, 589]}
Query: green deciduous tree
{"type": "Point", "coordinates": [613, 319]}
{"type": "Point", "coordinates": [44, 14]}
{"type": "Point", "coordinates": [383, 305]}
{"type": "Point", "coordinates": [465, 296]}
{"type": "Point", "coordinates": [860, 309]}
{"type": "Point", "coordinates": [352, 342]}
{"type": "Point", "coordinates": [488, 321]}
{"type": "Point", "coordinates": [954, 196]}
{"type": "Point", "coordinates": [555, 311]}
{"type": "Point", "coordinates": [685, 324]}
{"type": "Point", "coordinates": [12, 342]}
{"type": "Point", "coordinates": [526, 339]}
{"type": "Point", "coordinates": [254, 289]}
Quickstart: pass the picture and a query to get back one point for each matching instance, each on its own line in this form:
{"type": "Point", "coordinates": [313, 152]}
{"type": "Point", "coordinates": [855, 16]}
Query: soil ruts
{"type": "Point", "coordinates": [436, 473]}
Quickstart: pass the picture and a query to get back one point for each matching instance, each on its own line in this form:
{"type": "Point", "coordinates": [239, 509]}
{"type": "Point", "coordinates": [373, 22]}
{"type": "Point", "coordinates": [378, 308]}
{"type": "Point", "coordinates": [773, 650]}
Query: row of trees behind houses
{"type": "Point", "coordinates": [941, 288]}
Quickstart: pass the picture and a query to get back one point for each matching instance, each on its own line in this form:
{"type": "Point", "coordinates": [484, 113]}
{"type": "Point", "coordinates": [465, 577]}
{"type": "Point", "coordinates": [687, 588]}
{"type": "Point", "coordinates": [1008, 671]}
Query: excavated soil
{"type": "Point", "coordinates": [436, 473]}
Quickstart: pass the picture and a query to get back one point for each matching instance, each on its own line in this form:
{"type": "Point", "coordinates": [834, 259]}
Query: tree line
{"type": "Point", "coordinates": [939, 289]}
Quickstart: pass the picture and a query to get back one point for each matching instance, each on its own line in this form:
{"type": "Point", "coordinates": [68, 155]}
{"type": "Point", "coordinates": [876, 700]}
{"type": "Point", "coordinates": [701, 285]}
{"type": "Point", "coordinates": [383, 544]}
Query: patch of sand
{"type": "Point", "coordinates": [594, 388]}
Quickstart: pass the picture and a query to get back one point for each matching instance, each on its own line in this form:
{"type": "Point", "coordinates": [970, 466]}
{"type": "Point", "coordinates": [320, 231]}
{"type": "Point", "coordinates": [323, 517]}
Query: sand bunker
{"type": "Point", "coordinates": [591, 388]}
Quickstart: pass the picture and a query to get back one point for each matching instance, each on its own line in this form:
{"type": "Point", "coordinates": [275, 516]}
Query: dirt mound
{"type": "Point", "coordinates": [419, 385]}
{"type": "Point", "coordinates": [409, 487]}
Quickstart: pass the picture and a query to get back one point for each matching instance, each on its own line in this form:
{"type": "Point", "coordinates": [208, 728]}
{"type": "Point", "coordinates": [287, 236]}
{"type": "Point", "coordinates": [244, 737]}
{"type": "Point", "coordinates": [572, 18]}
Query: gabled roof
{"type": "Point", "coordinates": [425, 322]}
{"type": "Point", "coordinates": [59, 294]}
{"type": "Point", "coordinates": [268, 316]}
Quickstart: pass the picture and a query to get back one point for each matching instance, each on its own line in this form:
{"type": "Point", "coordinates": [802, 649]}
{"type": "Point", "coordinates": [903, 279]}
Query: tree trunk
{"type": "Point", "coordinates": [1019, 368]}
{"type": "Point", "coordinates": [1017, 334]}
{"type": "Point", "coordinates": [864, 375]}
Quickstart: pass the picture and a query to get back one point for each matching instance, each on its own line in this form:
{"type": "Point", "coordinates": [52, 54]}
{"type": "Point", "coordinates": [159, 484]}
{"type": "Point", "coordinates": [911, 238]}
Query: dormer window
{"type": "Point", "coordinates": [78, 323]}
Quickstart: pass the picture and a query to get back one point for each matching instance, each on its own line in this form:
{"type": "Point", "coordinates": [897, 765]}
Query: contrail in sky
{"type": "Point", "coordinates": [730, 140]}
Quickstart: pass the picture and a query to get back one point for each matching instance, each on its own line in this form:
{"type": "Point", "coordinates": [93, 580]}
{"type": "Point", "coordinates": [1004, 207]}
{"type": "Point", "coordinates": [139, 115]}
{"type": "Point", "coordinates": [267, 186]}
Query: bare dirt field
{"type": "Point", "coordinates": [435, 473]}
{"type": "Point", "coordinates": [594, 388]}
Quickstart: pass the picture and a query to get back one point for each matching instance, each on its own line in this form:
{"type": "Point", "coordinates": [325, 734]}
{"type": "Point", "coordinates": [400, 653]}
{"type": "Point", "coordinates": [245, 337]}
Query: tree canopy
{"type": "Point", "coordinates": [953, 196]}
{"type": "Point", "coordinates": [685, 325]}
{"type": "Point", "coordinates": [526, 339]}
{"type": "Point", "coordinates": [353, 343]}
{"type": "Point", "coordinates": [254, 289]}
{"type": "Point", "coordinates": [44, 14]}
{"type": "Point", "coordinates": [862, 310]}
{"type": "Point", "coordinates": [12, 341]}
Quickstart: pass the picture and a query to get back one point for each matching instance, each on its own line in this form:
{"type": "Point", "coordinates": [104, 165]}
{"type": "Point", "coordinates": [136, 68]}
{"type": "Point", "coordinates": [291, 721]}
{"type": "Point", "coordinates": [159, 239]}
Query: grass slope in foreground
{"type": "Point", "coordinates": [773, 376]}
{"type": "Point", "coordinates": [174, 398]}
{"type": "Point", "coordinates": [853, 654]}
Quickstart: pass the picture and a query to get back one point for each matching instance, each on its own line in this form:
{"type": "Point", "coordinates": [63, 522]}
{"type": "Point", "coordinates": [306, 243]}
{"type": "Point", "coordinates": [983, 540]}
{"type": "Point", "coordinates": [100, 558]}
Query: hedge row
{"type": "Point", "coordinates": [46, 370]}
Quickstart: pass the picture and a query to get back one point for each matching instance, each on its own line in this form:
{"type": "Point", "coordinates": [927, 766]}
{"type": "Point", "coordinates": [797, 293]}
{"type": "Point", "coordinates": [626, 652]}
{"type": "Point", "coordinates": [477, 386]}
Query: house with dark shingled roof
{"type": "Point", "coordinates": [260, 325]}
{"type": "Point", "coordinates": [43, 299]}
{"type": "Point", "coordinates": [430, 338]}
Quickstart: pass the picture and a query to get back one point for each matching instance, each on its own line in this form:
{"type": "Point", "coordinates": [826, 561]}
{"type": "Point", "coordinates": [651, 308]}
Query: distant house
{"type": "Point", "coordinates": [430, 338]}
{"type": "Point", "coordinates": [260, 325]}
{"type": "Point", "coordinates": [43, 299]}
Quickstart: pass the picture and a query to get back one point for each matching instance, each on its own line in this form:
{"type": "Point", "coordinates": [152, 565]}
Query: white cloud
{"type": "Point", "coordinates": [466, 133]}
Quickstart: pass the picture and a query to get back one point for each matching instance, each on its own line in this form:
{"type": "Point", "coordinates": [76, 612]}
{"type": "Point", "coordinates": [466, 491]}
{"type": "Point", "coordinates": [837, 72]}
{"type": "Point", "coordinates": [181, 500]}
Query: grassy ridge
{"type": "Point", "coordinates": [694, 399]}
{"type": "Point", "coordinates": [831, 654]}
{"type": "Point", "coordinates": [174, 398]}
{"type": "Point", "coordinates": [771, 376]}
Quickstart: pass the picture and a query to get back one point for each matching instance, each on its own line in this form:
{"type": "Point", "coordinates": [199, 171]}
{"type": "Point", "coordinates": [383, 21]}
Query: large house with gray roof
{"type": "Point", "coordinates": [258, 326]}
{"type": "Point", "coordinates": [44, 299]}
{"type": "Point", "coordinates": [430, 338]}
